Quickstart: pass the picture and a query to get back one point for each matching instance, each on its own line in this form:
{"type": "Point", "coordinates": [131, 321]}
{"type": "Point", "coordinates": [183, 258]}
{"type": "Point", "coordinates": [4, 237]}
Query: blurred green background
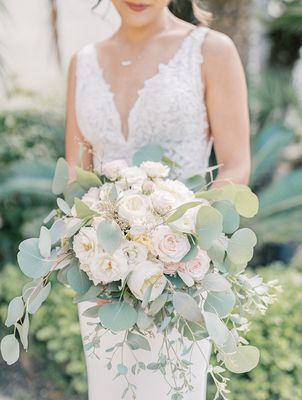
{"type": "Point", "coordinates": [268, 34]}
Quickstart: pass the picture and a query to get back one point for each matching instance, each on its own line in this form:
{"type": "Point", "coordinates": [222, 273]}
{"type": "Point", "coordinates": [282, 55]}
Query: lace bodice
{"type": "Point", "coordinates": [169, 110]}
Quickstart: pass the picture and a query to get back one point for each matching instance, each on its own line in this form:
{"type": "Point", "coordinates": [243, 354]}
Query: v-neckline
{"type": "Point", "coordinates": [140, 91]}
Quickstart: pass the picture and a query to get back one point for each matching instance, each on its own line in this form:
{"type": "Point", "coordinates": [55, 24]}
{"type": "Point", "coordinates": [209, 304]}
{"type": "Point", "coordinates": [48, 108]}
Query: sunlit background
{"type": "Point", "coordinates": [37, 39]}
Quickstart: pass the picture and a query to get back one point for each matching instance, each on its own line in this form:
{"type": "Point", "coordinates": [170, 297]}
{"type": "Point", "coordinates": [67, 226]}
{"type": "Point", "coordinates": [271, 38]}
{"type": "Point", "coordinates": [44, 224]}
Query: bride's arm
{"type": "Point", "coordinates": [227, 105]}
{"type": "Point", "coordinates": [74, 139]}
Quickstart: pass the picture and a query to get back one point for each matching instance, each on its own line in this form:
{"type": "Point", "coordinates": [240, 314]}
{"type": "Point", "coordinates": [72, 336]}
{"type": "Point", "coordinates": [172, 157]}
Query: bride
{"type": "Point", "coordinates": [161, 78]}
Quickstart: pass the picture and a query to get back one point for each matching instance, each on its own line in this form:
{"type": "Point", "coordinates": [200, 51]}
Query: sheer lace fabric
{"type": "Point", "coordinates": [169, 110]}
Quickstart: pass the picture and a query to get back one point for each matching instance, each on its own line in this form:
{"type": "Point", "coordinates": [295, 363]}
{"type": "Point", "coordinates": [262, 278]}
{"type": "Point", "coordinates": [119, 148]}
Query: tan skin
{"type": "Point", "coordinates": [160, 33]}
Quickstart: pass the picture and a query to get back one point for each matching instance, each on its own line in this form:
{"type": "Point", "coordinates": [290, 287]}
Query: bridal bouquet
{"type": "Point", "coordinates": [162, 254]}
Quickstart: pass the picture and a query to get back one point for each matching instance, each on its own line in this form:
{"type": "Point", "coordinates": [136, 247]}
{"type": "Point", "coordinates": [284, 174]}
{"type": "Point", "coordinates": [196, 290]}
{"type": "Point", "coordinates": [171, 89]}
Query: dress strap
{"type": "Point", "coordinates": [199, 35]}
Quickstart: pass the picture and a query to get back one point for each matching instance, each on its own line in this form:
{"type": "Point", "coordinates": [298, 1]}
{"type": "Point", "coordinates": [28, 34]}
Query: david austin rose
{"type": "Point", "coordinates": [135, 252]}
{"type": "Point", "coordinates": [133, 207]}
{"type": "Point", "coordinates": [162, 201]}
{"type": "Point", "coordinates": [112, 170]}
{"type": "Point", "coordinates": [155, 169]}
{"type": "Point", "coordinates": [198, 267]}
{"type": "Point", "coordinates": [145, 274]}
{"type": "Point", "coordinates": [177, 189]}
{"type": "Point", "coordinates": [106, 268]}
{"type": "Point", "coordinates": [133, 177]}
{"type": "Point", "coordinates": [85, 245]}
{"type": "Point", "coordinates": [168, 245]}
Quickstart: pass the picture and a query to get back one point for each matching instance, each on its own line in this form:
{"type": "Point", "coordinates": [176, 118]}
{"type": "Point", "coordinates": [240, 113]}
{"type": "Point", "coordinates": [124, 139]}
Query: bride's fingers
{"type": "Point", "coordinates": [101, 302]}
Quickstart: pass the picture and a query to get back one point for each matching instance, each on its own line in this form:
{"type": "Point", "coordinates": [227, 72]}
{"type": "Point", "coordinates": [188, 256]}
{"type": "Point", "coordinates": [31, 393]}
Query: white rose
{"type": "Point", "coordinates": [199, 266]}
{"type": "Point", "coordinates": [135, 252]}
{"type": "Point", "coordinates": [133, 207]}
{"type": "Point", "coordinates": [155, 169]}
{"type": "Point", "coordinates": [112, 170]}
{"type": "Point", "coordinates": [92, 198]}
{"type": "Point", "coordinates": [162, 201]}
{"type": "Point", "coordinates": [188, 221]}
{"type": "Point", "coordinates": [145, 274]}
{"type": "Point", "coordinates": [177, 189]}
{"type": "Point", "coordinates": [133, 176]}
{"type": "Point", "coordinates": [85, 245]}
{"type": "Point", "coordinates": [168, 245]}
{"type": "Point", "coordinates": [106, 268]}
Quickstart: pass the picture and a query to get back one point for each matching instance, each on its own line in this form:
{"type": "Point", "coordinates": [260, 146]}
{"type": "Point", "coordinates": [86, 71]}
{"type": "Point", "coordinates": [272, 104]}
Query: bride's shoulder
{"type": "Point", "coordinates": [219, 51]}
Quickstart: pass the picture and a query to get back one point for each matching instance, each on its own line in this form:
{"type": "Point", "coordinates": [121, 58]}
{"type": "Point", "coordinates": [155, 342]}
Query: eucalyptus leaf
{"type": "Point", "coordinates": [63, 206]}
{"type": "Point", "coordinates": [246, 203]}
{"type": "Point", "coordinates": [221, 303]}
{"type": "Point", "coordinates": [37, 301]}
{"type": "Point", "coordinates": [44, 242]}
{"type": "Point", "coordinates": [10, 349]}
{"type": "Point", "coordinates": [187, 307]}
{"type": "Point", "coordinates": [15, 311]}
{"type": "Point", "coordinates": [149, 152]}
{"type": "Point", "coordinates": [231, 219]}
{"type": "Point", "coordinates": [78, 279]}
{"type": "Point", "coordinates": [23, 331]}
{"type": "Point", "coordinates": [73, 190]}
{"type": "Point", "coordinates": [30, 261]}
{"type": "Point", "coordinates": [195, 182]}
{"type": "Point", "coordinates": [57, 230]}
{"type": "Point", "coordinates": [91, 295]}
{"type": "Point", "coordinates": [109, 235]}
{"type": "Point", "coordinates": [181, 210]}
{"type": "Point", "coordinates": [118, 316]}
{"type": "Point", "coordinates": [208, 226]}
{"type": "Point", "coordinates": [87, 179]}
{"type": "Point", "coordinates": [61, 176]}
{"type": "Point", "coordinates": [217, 330]}
{"type": "Point", "coordinates": [216, 252]}
{"type": "Point", "coordinates": [188, 280]}
{"type": "Point", "coordinates": [92, 312]}
{"type": "Point", "coordinates": [136, 341]}
{"type": "Point", "coordinates": [144, 322]}
{"type": "Point", "coordinates": [158, 304]}
{"type": "Point", "coordinates": [82, 210]}
{"type": "Point", "coordinates": [122, 369]}
{"type": "Point", "coordinates": [244, 360]}
{"type": "Point", "coordinates": [241, 246]}
{"type": "Point", "coordinates": [192, 253]}
{"type": "Point", "coordinates": [215, 282]}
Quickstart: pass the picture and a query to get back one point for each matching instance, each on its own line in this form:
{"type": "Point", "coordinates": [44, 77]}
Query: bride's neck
{"type": "Point", "coordinates": [138, 34]}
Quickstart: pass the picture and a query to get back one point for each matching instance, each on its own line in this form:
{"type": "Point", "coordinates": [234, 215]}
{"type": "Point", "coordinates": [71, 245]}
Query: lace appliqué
{"type": "Point", "coordinates": [170, 109]}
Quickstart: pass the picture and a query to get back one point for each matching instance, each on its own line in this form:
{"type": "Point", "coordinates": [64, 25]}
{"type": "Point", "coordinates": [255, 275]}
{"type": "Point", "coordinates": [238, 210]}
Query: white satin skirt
{"type": "Point", "coordinates": [150, 385]}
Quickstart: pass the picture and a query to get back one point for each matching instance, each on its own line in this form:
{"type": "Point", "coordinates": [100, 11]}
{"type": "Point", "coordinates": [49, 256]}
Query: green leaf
{"type": "Point", "coordinates": [193, 331]}
{"type": "Point", "coordinates": [187, 307]}
{"type": "Point", "coordinates": [63, 206]}
{"type": "Point", "coordinates": [241, 246]}
{"type": "Point", "coordinates": [217, 330]}
{"type": "Point", "coordinates": [158, 304]}
{"type": "Point", "coordinates": [221, 303]}
{"type": "Point", "coordinates": [144, 322]}
{"type": "Point", "coordinates": [244, 360]}
{"type": "Point", "coordinates": [91, 295]}
{"type": "Point", "coordinates": [73, 190]}
{"type": "Point", "coordinates": [30, 261]}
{"type": "Point", "coordinates": [231, 219]}
{"type": "Point", "coordinates": [87, 179]}
{"type": "Point", "coordinates": [137, 342]}
{"type": "Point", "coordinates": [216, 252]}
{"type": "Point", "coordinates": [36, 302]}
{"type": "Point", "coordinates": [45, 242]}
{"type": "Point", "coordinates": [195, 182]}
{"type": "Point", "coordinates": [78, 279]}
{"type": "Point", "coordinates": [15, 311]}
{"type": "Point", "coordinates": [61, 177]}
{"type": "Point", "coordinates": [149, 152]}
{"type": "Point", "coordinates": [122, 369]}
{"type": "Point", "coordinates": [109, 236]}
{"type": "Point", "coordinates": [92, 312]}
{"type": "Point", "coordinates": [246, 203]}
{"type": "Point", "coordinates": [57, 230]}
{"type": "Point", "coordinates": [192, 253]}
{"type": "Point", "coordinates": [10, 349]}
{"type": "Point", "coordinates": [82, 210]}
{"type": "Point", "coordinates": [23, 331]}
{"type": "Point", "coordinates": [215, 282]}
{"type": "Point", "coordinates": [188, 280]}
{"type": "Point", "coordinates": [181, 210]}
{"type": "Point", "coordinates": [118, 316]}
{"type": "Point", "coordinates": [208, 225]}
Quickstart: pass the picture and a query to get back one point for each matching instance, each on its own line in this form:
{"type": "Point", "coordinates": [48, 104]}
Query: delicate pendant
{"type": "Point", "coordinates": [125, 63]}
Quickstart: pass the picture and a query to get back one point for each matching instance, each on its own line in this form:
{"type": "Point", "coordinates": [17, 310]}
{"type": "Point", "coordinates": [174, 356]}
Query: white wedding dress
{"type": "Point", "coordinates": [169, 110]}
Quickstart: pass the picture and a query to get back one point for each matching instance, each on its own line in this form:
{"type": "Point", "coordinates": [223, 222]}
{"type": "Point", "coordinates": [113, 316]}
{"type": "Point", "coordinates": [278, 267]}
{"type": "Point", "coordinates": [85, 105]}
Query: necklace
{"type": "Point", "coordinates": [130, 61]}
